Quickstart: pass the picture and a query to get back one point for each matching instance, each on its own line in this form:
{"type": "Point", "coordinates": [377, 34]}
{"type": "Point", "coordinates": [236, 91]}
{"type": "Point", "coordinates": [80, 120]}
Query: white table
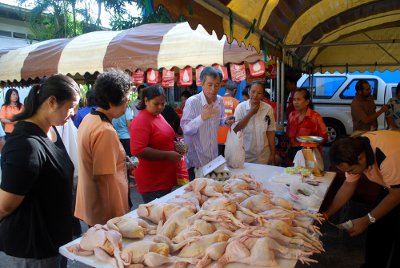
{"type": "Point", "coordinates": [262, 173]}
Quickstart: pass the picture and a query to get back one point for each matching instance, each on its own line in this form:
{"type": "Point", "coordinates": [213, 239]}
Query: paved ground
{"type": "Point", "coordinates": [341, 250]}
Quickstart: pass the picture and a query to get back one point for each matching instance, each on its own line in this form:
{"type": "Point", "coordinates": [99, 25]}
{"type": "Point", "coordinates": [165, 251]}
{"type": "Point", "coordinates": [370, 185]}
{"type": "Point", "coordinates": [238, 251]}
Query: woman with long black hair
{"type": "Point", "coordinates": [37, 173]}
{"type": "Point", "coordinates": [11, 107]}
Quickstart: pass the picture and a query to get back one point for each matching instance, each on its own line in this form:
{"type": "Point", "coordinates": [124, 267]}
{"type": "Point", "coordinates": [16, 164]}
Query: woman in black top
{"type": "Point", "coordinates": [37, 173]}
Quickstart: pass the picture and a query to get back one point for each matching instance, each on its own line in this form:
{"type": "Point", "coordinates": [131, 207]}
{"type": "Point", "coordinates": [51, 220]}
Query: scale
{"type": "Point", "coordinates": [311, 153]}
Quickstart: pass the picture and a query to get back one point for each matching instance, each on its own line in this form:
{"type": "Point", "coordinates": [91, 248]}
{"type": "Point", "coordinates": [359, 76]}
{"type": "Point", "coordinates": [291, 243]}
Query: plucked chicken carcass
{"type": "Point", "coordinates": [134, 252]}
{"type": "Point", "coordinates": [205, 187]}
{"type": "Point", "coordinates": [104, 243]}
{"type": "Point", "coordinates": [260, 251]}
{"type": "Point", "coordinates": [198, 228]}
{"type": "Point", "coordinates": [156, 212]}
{"type": "Point", "coordinates": [175, 223]}
{"type": "Point", "coordinates": [130, 227]}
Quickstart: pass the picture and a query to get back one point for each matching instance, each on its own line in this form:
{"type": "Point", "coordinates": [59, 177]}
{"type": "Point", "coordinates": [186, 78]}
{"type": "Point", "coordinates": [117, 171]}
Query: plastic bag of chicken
{"type": "Point", "coordinates": [234, 149]}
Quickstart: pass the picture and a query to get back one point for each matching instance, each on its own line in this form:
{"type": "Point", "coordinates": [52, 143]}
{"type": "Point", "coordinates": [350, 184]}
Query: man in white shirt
{"type": "Point", "coordinates": [256, 120]}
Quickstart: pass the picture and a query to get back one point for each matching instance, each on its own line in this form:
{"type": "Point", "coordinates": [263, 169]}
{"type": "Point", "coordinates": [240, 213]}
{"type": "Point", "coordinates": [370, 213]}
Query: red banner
{"type": "Point", "coordinates": [272, 71]}
{"type": "Point", "coordinates": [152, 77]}
{"type": "Point", "coordinates": [168, 78]}
{"type": "Point", "coordinates": [199, 69]}
{"type": "Point", "coordinates": [185, 76]}
{"type": "Point", "coordinates": [238, 72]}
{"type": "Point", "coordinates": [257, 68]}
{"type": "Point", "coordinates": [224, 71]}
{"type": "Point", "coordinates": [138, 77]}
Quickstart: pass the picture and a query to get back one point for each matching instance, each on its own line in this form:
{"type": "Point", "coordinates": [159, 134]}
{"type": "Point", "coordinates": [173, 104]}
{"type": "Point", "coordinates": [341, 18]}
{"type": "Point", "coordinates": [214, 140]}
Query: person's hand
{"type": "Point", "coordinates": [209, 111]}
{"type": "Point", "coordinates": [385, 108]}
{"type": "Point", "coordinates": [230, 120]}
{"type": "Point", "coordinates": [254, 109]}
{"type": "Point", "coordinates": [173, 156]}
{"type": "Point", "coordinates": [271, 160]}
{"type": "Point", "coordinates": [359, 226]}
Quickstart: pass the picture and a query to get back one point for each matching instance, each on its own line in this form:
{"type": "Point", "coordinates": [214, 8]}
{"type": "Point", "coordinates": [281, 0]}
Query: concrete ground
{"type": "Point", "coordinates": [341, 250]}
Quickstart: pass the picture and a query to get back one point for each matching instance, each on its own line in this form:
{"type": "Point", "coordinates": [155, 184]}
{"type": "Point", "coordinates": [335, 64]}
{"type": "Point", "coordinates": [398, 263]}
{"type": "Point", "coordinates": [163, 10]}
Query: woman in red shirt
{"type": "Point", "coordinates": [303, 121]}
{"type": "Point", "coordinates": [152, 141]}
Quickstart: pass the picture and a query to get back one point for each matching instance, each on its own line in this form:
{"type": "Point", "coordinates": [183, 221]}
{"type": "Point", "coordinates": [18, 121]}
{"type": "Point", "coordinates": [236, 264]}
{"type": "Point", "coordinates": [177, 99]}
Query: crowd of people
{"type": "Point", "coordinates": [36, 191]}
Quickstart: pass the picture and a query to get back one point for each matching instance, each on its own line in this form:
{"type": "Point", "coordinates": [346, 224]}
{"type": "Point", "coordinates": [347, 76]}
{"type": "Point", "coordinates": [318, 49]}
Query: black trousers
{"type": "Point", "coordinates": [191, 173]}
{"type": "Point", "coordinates": [221, 149]}
{"type": "Point", "coordinates": [382, 246]}
{"type": "Point", "coordinates": [150, 196]}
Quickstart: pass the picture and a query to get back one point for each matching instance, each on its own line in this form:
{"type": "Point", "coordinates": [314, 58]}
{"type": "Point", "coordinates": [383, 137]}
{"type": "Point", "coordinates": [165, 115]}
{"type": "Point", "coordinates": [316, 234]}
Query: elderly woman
{"type": "Point", "coordinates": [152, 141]}
{"type": "Point", "coordinates": [303, 121]}
{"type": "Point", "coordinates": [37, 173]}
{"type": "Point", "coordinates": [102, 184]}
{"type": "Point", "coordinates": [11, 107]}
{"type": "Point", "coordinates": [256, 119]}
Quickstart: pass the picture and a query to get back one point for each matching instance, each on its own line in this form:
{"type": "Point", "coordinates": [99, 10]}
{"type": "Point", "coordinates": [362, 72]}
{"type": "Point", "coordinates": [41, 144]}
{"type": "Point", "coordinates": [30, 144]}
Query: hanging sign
{"type": "Point", "coordinates": [152, 77]}
{"type": "Point", "coordinates": [199, 69]}
{"type": "Point", "coordinates": [257, 68]}
{"type": "Point", "coordinates": [224, 71]}
{"type": "Point", "coordinates": [168, 78]}
{"type": "Point", "coordinates": [185, 76]}
{"type": "Point", "coordinates": [238, 72]}
{"type": "Point", "coordinates": [138, 77]}
{"type": "Point", "coordinates": [272, 71]}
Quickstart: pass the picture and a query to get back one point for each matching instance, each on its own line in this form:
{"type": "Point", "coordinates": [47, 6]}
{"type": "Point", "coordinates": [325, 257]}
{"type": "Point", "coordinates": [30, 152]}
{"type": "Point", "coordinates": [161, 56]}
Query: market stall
{"type": "Point", "coordinates": [271, 177]}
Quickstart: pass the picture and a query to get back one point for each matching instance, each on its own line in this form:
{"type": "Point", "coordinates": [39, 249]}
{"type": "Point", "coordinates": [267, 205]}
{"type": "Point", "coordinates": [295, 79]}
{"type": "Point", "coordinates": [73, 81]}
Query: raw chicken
{"type": "Point", "coordinates": [198, 228]}
{"type": "Point", "coordinates": [134, 252]}
{"type": "Point", "coordinates": [104, 243]}
{"type": "Point", "coordinates": [130, 227]}
{"type": "Point", "coordinates": [198, 245]}
{"type": "Point", "coordinates": [156, 212]}
{"type": "Point", "coordinates": [207, 187]}
{"type": "Point", "coordinates": [175, 223]}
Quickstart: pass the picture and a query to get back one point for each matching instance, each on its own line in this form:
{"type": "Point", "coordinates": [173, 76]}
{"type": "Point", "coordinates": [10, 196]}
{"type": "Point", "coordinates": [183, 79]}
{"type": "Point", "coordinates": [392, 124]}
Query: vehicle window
{"type": "Point", "coordinates": [350, 91]}
{"type": "Point", "coordinates": [394, 91]}
{"type": "Point", "coordinates": [323, 87]}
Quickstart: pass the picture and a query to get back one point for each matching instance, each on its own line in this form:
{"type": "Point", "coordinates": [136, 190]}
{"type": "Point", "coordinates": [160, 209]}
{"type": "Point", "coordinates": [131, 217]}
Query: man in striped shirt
{"type": "Point", "coordinates": [202, 115]}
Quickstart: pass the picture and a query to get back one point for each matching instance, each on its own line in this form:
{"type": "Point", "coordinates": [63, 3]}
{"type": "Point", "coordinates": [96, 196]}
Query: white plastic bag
{"type": "Point", "coordinates": [234, 149]}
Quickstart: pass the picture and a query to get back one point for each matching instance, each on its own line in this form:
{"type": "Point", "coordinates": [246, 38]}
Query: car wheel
{"type": "Point", "coordinates": [334, 132]}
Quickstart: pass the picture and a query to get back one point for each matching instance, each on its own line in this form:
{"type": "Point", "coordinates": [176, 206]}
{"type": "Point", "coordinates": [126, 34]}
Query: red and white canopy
{"type": "Point", "coordinates": [148, 46]}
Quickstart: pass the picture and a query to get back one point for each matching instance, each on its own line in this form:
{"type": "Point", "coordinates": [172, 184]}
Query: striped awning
{"type": "Point", "coordinates": [148, 46]}
{"type": "Point", "coordinates": [331, 35]}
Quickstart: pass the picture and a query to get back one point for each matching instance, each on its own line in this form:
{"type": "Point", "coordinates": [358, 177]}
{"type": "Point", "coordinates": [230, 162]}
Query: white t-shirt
{"type": "Point", "coordinates": [255, 137]}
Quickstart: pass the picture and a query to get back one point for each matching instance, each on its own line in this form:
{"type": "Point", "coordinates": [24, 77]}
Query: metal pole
{"type": "Point", "coordinates": [278, 94]}
{"type": "Point", "coordinates": [352, 43]}
{"type": "Point", "coordinates": [283, 101]}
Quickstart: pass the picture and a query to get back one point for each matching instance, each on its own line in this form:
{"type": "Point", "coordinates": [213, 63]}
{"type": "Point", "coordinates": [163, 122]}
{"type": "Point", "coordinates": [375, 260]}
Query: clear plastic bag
{"type": "Point", "coordinates": [234, 149]}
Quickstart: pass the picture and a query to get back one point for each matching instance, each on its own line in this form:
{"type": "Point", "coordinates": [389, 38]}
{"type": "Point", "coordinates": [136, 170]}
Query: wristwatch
{"type": "Point", "coordinates": [371, 218]}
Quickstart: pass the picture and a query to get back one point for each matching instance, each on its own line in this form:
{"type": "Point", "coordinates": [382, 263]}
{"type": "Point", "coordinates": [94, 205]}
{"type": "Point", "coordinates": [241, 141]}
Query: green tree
{"type": "Point", "coordinates": [58, 19]}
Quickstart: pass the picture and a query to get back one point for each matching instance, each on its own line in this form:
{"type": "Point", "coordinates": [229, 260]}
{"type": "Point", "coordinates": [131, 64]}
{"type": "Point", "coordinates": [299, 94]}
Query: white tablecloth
{"type": "Point", "coordinates": [262, 173]}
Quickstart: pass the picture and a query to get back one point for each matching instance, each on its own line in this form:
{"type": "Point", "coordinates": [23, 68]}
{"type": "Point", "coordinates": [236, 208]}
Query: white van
{"type": "Point", "coordinates": [332, 95]}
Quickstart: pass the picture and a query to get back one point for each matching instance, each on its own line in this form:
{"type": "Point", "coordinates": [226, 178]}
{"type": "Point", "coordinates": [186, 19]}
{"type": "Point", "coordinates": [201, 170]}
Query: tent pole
{"type": "Point", "coordinates": [278, 94]}
{"type": "Point", "coordinates": [283, 101]}
{"type": "Point", "coordinates": [352, 43]}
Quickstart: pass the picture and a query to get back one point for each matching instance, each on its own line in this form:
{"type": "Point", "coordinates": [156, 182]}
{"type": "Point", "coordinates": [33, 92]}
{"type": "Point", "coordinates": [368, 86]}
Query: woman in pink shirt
{"type": "Point", "coordinates": [152, 141]}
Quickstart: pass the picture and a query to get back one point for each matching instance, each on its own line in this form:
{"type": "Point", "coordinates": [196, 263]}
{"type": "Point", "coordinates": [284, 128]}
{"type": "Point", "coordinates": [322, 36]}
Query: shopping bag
{"type": "Point", "coordinates": [234, 149]}
{"type": "Point", "coordinates": [182, 175]}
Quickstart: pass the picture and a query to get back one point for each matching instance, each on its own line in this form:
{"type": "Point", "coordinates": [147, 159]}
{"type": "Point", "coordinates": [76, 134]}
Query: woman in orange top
{"type": "Point", "coordinates": [303, 121]}
{"type": "Point", "coordinates": [11, 107]}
